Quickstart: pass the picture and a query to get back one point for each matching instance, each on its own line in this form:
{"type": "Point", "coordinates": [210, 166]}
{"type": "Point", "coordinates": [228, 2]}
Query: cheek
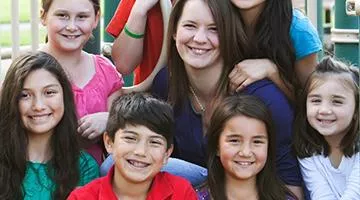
{"type": "Point", "coordinates": [214, 39]}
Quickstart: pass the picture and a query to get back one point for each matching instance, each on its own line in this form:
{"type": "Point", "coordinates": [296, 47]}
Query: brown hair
{"type": "Point", "coordinates": [308, 141]}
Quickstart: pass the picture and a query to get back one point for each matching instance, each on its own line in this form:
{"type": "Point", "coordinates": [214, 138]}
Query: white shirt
{"type": "Point", "coordinates": [325, 182]}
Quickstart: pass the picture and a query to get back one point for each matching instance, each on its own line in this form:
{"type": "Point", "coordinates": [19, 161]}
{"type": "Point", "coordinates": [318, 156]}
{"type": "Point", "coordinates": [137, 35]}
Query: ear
{"type": "Point", "coordinates": [108, 143]}
{"type": "Point", "coordinates": [43, 17]}
{"type": "Point", "coordinates": [168, 154]}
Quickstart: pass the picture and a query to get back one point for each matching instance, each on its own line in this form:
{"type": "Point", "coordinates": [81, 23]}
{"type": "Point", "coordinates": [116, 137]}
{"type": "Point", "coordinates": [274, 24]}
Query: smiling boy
{"type": "Point", "coordinates": [139, 136]}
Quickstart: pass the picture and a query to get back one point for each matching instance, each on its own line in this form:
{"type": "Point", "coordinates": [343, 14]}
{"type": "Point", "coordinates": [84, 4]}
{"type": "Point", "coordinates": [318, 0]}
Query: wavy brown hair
{"type": "Point", "coordinates": [63, 167]}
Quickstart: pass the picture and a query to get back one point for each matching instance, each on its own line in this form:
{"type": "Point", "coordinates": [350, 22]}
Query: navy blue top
{"type": "Point", "coordinates": [190, 143]}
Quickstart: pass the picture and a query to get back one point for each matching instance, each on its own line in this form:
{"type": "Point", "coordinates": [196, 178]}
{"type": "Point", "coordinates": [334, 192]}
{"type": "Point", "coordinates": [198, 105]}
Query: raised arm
{"type": "Point", "coordinates": [127, 50]}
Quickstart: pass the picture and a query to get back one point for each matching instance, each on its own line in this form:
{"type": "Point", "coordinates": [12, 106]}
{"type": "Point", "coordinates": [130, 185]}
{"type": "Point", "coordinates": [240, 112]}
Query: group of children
{"type": "Point", "coordinates": [59, 101]}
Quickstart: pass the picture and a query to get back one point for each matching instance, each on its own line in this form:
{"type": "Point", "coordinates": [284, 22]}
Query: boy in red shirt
{"type": "Point", "coordinates": [139, 135]}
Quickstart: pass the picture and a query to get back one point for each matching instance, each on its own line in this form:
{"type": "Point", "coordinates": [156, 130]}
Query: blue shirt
{"type": "Point", "coordinates": [303, 35]}
{"type": "Point", "coordinates": [191, 145]}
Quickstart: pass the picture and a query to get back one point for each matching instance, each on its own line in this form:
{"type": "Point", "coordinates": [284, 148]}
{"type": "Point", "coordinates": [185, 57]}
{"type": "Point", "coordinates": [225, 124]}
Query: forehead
{"type": "Point", "coordinates": [244, 126]}
{"type": "Point", "coordinates": [332, 84]}
{"type": "Point", "coordinates": [70, 5]}
{"type": "Point", "coordinates": [197, 10]}
{"type": "Point", "coordinates": [140, 131]}
{"type": "Point", "coordinates": [40, 78]}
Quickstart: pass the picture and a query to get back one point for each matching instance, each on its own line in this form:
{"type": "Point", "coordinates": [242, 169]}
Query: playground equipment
{"type": "Point", "coordinates": [345, 33]}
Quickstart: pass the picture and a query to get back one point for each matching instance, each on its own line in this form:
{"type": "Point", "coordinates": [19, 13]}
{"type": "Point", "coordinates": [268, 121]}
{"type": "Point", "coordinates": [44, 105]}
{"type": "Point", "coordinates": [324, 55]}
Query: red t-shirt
{"type": "Point", "coordinates": [152, 40]}
{"type": "Point", "coordinates": [165, 186]}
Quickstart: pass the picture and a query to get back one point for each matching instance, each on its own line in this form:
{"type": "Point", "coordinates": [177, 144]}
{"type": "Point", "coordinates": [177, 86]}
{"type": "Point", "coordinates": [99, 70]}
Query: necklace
{"type": "Point", "coordinates": [202, 108]}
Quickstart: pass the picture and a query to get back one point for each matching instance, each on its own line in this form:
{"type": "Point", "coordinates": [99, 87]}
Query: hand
{"type": "Point", "coordinates": [143, 6]}
{"type": "Point", "coordinates": [93, 125]}
{"type": "Point", "coordinates": [249, 71]}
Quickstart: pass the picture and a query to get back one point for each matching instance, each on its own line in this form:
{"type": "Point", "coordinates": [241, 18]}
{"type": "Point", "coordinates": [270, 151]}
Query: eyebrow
{"type": "Point", "coordinates": [333, 96]}
{"type": "Point", "coordinates": [237, 136]}
{"type": "Point", "coordinates": [152, 136]}
{"type": "Point", "coordinates": [46, 86]}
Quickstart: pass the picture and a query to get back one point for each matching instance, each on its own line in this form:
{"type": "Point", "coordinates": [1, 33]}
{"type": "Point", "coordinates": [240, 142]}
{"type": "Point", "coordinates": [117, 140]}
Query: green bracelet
{"type": "Point", "coordinates": [131, 34]}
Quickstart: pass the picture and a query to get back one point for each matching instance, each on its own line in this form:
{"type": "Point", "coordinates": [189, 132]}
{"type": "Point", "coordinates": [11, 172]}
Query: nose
{"type": "Point", "coordinates": [71, 25]}
{"type": "Point", "coordinates": [38, 104]}
{"type": "Point", "coordinates": [325, 109]}
{"type": "Point", "coordinates": [200, 36]}
{"type": "Point", "coordinates": [245, 150]}
{"type": "Point", "coordinates": [140, 149]}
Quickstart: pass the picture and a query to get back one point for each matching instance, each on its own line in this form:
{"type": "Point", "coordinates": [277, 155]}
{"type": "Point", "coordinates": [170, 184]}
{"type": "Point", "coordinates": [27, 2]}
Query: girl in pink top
{"type": "Point", "coordinates": [94, 79]}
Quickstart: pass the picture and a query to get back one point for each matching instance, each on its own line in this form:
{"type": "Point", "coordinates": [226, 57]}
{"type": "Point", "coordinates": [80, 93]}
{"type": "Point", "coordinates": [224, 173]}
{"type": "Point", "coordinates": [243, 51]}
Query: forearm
{"type": "Point", "coordinates": [127, 52]}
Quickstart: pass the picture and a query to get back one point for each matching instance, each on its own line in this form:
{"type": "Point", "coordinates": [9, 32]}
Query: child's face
{"type": "Point", "coordinates": [330, 108]}
{"type": "Point", "coordinates": [70, 23]}
{"type": "Point", "coordinates": [138, 152]}
{"type": "Point", "coordinates": [243, 147]}
{"type": "Point", "coordinates": [41, 103]}
{"type": "Point", "coordinates": [196, 38]}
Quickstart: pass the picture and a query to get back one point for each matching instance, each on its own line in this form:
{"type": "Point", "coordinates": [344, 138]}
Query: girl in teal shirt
{"type": "Point", "coordinates": [40, 156]}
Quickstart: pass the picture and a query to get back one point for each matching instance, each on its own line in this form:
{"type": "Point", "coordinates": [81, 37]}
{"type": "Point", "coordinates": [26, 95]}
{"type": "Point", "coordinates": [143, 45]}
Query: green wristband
{"type": "Point", "coordinates": [131, 34]}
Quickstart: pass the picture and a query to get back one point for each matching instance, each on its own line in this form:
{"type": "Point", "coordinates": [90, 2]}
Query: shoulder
{"type": "Point", "coordinates": [178, 186]}
{"type": "Point", "coordinates": [106, 67]}
{"type": "Point", "coordinates": [304, 35]}
{"type": "Point", "coordinates": [89, 191]}
{"type": "Point", "coordinates": [86, 159]}
{"type": "Point", "coordinates": [89, 169]}
{"type": "Point", "coordinates": [268, 92]}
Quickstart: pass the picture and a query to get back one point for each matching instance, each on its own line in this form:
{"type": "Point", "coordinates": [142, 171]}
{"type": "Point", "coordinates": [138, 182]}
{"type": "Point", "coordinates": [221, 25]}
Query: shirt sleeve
{"type": "Point", "coordinates": [120, 17]}
{"type": "Point", "coordinates": [352, 190]}
{"type": "Point", "coordinates": [114, 80]}
{"type": "Point", "coordinates": [89, 169]}
{"type": "Point", "coordinates": [304, 36]}
{"type": "Point", "coordinates": [315, 182]}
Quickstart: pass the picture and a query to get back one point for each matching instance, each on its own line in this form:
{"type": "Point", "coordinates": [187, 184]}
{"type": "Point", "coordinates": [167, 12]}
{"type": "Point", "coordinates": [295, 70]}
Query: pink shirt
{"type": "Point", "coordinates": [92, 98]}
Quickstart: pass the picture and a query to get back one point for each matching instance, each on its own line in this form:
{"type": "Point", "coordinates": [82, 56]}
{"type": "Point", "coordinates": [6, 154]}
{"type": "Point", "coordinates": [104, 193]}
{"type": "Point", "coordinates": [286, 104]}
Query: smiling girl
{"type": "Point", "coordinates": [327, 132]}
{"type": "Point", "coordinates": [40, 156]}
{"type": "Point", "coordinates": [241, 152]}
{"type": "Point", "coordinates": [94, 79]}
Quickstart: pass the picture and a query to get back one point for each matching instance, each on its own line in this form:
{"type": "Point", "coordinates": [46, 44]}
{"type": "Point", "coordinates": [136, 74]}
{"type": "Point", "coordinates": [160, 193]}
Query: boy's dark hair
{"type": "Point", "coordinates": [141, 109]}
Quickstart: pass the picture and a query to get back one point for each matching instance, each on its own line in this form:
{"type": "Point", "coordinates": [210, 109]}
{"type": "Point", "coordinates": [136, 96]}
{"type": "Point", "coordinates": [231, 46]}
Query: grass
{"type": "Point", "coordinates": [24, 11]}
{"type": "Point", "coordinates": [25, 37]}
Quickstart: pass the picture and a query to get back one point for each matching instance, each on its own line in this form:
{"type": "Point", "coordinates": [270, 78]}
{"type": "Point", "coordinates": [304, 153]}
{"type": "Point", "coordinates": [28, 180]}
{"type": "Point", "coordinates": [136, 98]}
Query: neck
{"type": "Point", "coordinates": [241, 189]}
{"type": "Point", "coordinates": [250, 16]}
{"type": "Point", "coordinates": [121, 188]}
{"type": "Point", "coordinates": [67, 59]}
{"type": "Point", "coordinates": [335, 156]}
{"type": "Point", "coordinates": [205, 81]}
{"type": "Point", "coordinates": [39, 148]}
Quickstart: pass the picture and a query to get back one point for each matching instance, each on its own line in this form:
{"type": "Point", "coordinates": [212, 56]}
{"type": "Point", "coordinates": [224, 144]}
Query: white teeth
{"type": "Point", "coordinates": [243, 163]}
{"type": "Point", "coordinates": [138, 164]}
{"type": "Point", "coordinates": [198, 51]}
{"type": "Point", "coordinates": [323, 121]}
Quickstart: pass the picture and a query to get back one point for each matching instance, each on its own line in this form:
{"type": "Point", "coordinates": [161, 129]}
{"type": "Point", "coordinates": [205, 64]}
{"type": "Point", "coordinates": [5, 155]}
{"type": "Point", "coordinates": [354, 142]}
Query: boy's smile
{"type": "Point", "coordinates": [138, 152]}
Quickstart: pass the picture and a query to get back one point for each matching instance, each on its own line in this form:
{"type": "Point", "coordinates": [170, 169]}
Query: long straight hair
{"type": "Point", "coordinates": [63, 166]}
{"type": "Point", "coordinates": [178, 79]}
{"type": "Point", "coordinates": [269, 186]}
{"type": "Point", "coordinates": [270, 38]}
